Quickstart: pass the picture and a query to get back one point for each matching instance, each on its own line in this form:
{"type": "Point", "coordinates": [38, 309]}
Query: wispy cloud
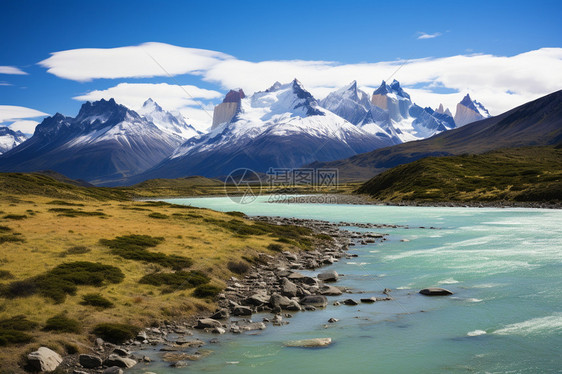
{"type": "Point", "coordinates": [423, 35]}
{"type": "Point", "coordinates": [11, 70]}
{"type": "Point", "coordinates": [5, 84]}
{"type": "Point", "coordinates": [142, 61]}
{"type": "Point", "coordinates": [487, 78]}
{"type": "Point", "coordinates": [17, 118]}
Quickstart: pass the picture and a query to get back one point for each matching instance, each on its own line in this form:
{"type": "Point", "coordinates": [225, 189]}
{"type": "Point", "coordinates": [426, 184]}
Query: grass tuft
{"type": "Point", "coordinates": [206, 291]}
{"type": "Point", "coordinates": [61, 323]}
{"type": "Point", "coordinates": [97, 300]}
{"type": "Point", "coordinates": [115, 333]}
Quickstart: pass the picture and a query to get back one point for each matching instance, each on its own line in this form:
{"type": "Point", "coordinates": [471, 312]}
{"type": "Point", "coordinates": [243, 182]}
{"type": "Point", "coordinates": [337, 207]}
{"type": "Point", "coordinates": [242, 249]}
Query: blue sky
{"type": "Point", "coordinates": [348, 34]}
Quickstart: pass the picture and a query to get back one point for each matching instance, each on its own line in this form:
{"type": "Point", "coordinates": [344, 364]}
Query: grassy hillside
{"type": "Point", "coordinates": [527, 174]}
{"type": "Point", "coordinates": [75, 257]}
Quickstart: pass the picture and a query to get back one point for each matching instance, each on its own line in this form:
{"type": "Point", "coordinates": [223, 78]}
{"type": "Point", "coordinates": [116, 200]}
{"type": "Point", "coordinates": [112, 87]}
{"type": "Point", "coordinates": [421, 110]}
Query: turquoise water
{"type": "Point", "coordinates": [504, 266]}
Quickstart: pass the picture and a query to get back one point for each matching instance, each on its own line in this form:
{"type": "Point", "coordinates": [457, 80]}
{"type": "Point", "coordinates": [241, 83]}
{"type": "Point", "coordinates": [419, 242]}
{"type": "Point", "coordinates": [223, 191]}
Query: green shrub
{"type": "Point", "coordinates": [178, 280]}
{"type": "Point", "coordinates": [5, 274]}
{"type": "Point", "coordinates": [133, 247]}
{"type": "Point", "coordinates": [62, 202]}
{"type": "Point", "coordinates": [115, 333]}
{"type": "Point", "coordinates": [95, 299]}
{"type": "Point", "coordinates": [157, 215]}
{"type": "Point", "coordinates": [61, 323]}
{"type": "Point", "coordinates": [16, 217]}
{"type": "Point", "coordinates": [76, 250]}
{"type": "Point", "coordinates": [12, 330]}
{"type": "Point", "coordinates": [5, 229]}
{"type": "Point", "coordinates": [238, 267]}
{"type": "Point", "coordinates": [275, 247]}
{"type": "Point", "coordinates": [206, 290]}
{"type": "Point", "coordinates": [69, 212]}
{"type": "Point", "coordinates": [10, 239]}
{"type": "Point", "coordinates": [324, 237]}
{"type": "Point", "coordinates": [236, 214]}
{"type": "Point", "coordinates": [64, 279]}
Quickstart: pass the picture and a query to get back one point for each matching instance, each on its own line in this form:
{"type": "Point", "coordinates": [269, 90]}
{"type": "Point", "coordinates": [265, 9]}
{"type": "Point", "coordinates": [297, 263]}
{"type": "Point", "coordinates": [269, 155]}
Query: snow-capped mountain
{"type": "Point", "coordinates": [104, 143]}
{"type": "Point", "coordinates": [10, 139]}
{"type": "Point", "coordinates": [390, 110]}
{"type": "Point", "coordinates": [171, 124]}
{"type": "Point", "coordinates": [469, 110]}
{"type": "Point", "coordinates": [281, 127]}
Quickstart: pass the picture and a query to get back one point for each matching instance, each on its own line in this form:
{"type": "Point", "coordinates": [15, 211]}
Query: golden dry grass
{"type": "Point", "coordinates": [47, 235]}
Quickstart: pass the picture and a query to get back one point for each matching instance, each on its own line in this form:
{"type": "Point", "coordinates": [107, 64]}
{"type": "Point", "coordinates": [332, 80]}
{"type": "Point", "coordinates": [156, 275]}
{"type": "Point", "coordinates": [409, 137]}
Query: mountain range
{"type": "Point", "coordinates": [281, 127]}
{"type": "Point", "coordinates": [536, 123]}
{"type": "Point", "coordinates": [10, 139]}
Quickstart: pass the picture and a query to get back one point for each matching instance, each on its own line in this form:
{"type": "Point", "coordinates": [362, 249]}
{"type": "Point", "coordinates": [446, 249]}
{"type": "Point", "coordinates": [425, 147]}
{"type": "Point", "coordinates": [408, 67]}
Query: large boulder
{"type": "Point", "coordinates": [288, 288]}
{"type": "Point", "coordinates": [259, 298]}
{"type": "Point", "coordinates": [122, 362]}
{"type": "Point", "coordinates": [310, 343]}
{"type": "Point", "coordinates": [279, 301]}
{"type": "Point", "coordinates": [207, 323]}
{"type": "Point", "coordinates": [90, 361]}
{"type": "Point", "coordinates": [242, 311]}
{"type": "Point", "coordinates": [328, 276]}
{"type": "Point", "coordinates": [44, 359]}
{"type": "Point", "coordinates": [318, 301]}
{"type": "Point", "coordinates": [435, 291]}
{"type": "Point", "coordinates": [330, 291]}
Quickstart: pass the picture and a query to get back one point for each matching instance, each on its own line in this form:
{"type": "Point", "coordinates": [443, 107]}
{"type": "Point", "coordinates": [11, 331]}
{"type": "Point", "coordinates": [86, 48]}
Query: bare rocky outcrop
{"type": "Point", "coordinates": [44, 359]}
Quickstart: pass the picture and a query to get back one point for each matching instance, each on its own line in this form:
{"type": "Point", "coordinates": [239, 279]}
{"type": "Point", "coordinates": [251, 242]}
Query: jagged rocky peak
{"type": "Point", "coordinates": [348, 102]}
{"type": "Point", "coordinates": [442, 110]}
{"type": "Point", "coordinates": [234, 96]}
{"type": "Point", "coordinates": [469, 110]}
{"type": "Point", "coordinates": [152, 105]}
{"type": "Point", "coordinates": [277, 85]}
{"type": "Point", "coordinates": [10, 139]}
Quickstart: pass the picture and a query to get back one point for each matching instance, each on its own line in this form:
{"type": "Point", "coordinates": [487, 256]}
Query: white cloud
{"type": "Point", "coordinates": [145, 60]}
{"type": "Point", "coordinates": [11, 70]}
{"type": "Point", "coordinates": [499, 82]}
{"type": "Point", "coordinates": [5, 84]}
{"type": "Point", "coordinates": [423, 35]}
{"type": "Point", "coordinates": [10, 113]}
{"type": "Point", "coordinates": [25, 126]}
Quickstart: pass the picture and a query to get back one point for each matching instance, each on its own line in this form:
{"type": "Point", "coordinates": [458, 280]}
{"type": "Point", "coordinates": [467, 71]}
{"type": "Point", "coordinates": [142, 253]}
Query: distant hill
{"type": "Point", "coordinates": [527, 174]}
{"type": "Point", "coordinates": [537, 123]}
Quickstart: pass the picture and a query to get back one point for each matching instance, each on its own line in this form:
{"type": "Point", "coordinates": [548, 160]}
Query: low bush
{"type": "Point", "coordinates": [69, 212]}
{"type": "Point", "coordinates": [5, 274]}
{"type": "Point", "coordinates": [134, 247]}
{"type": "Point", "coordinates": [16, 217]}
{"type": "Point", "coordinates": [275, 247]}
{"type": "Point", "coordinates": [97, 300]}
{"type": "Point", "coordinates": [64, 279]}
{"type": "Point", "coordinates": [61, 323]}
{"type": "Point", "coordinates": [239, 267]}
{"type": "Point", "coordinates": [178, 280]}
{"type": "Point", "coordinates": [65, 203]}
{"type": "Point", "coordinates": [10, 239]}
{"type": "Point", "coordinates": [236, 214]}
{"type": "Point", "coordinates": [5, 229]}
{"type": "Point", "coordinates": [76, 250]}
{"type": "Point", "coordinates": [12, 330]}
{"type": "Point", "coordinates": [115, 333]}
{"type": "Point", "coordinates": [206, 291]}
{"type": "Point", "coordinates": [157, 215]}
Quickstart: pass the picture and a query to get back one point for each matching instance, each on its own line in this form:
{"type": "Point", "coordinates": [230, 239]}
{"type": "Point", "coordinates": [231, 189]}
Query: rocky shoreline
{"type": "Point", "coordinates": [353, 199]}
{"type": "Point", "coordinates": [273, 285]}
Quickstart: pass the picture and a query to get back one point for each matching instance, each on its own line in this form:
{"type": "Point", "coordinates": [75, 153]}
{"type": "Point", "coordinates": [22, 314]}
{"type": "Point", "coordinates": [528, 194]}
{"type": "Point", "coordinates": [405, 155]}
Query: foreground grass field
{"type": "Point", "coordinates": [81, 257]}
{"type": "Point", "coordinates": [531, 174]}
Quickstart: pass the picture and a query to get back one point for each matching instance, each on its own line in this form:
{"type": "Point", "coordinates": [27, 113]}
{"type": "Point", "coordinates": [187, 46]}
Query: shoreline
{"type": "Point", "coordinates": [272, 285]}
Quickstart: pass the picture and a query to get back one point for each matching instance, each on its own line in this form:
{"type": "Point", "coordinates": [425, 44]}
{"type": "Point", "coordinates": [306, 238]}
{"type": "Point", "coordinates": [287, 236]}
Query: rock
{"type": "Point", "coordinates": [253, 326]}
{"type": "Point", "coordinates": [146, 359]}
{"type": "Point", "coordinates": [122, 362]}
{"type": "Point", "coordinates": [350, 302]}
{"type": "Point", "coordinates": [99, 342]}
{"type": "Point", "coordinates": [242, 311]}
{"type": "Point", "coordinates": [279, 301]}
{"type": "Point", "coordinates": [310, 343]}
{"type": "Point", "coordinates": [435, 291]}
{"type": "Point", "coordinates": [369, 300]}
{"type": "Point", "coordinates": [218, 330]}
{"type": "Point", "coordinates": [122, 352]}
{"type": "Point", "coordinates": [205, 323]}
{"type": "Point", "coordinates": [257, 299]}
{"type": "Point", "coordinates": [333, 320]}
{"type": "Point", "coordinates": [293, 306]}
{"type": "Point", "coordinates": [328, 276]}
{"type": "Point", "coordinates": [185, 343]}
{"type": "Point", "coordinates": [221, 314]}
{"type": "Point", "coordinates": [288, 288]}
{"type": "Point", "coordinates": [386, 291]}
{"type": "Point", "coordinates": [319, 301]}
{"type": "Point", "coordinates": [277, 320]}
{"type": "Point", "coordinates": [113, 370]}
{"type": "Point", "coordinates": [330, 291]}
{"type": "Point", "coordinates": [90, 361]}
{"type": "Point", "coordinates": [142, 336]}
{"type": "Point", "coordinates": [179, 364]}
{"type": "Point", "coordinates": [44, 359]}
{"type": "Point", "coordinates": [75, 371]}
